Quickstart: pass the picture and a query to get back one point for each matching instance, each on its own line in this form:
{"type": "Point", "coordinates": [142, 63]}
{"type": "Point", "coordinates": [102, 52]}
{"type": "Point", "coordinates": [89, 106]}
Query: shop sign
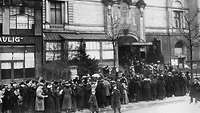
{"type": "Point", "coordinates": [10, 39]}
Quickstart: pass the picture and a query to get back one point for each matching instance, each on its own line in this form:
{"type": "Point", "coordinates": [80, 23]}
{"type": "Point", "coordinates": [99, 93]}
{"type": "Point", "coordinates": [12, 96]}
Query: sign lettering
{"type": "Point", "coordinates": [10, 39]}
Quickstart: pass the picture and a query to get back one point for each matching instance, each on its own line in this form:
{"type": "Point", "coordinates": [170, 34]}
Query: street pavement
{"type": "Point", "coordinates": [168, 105]}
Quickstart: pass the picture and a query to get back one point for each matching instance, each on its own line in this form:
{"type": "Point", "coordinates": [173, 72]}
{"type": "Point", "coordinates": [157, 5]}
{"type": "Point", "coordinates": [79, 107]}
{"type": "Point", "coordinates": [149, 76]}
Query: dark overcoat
{"type": "Point", "coordinates": [93, 103]}
{"type": "Point", "coordinates": [115, 99]}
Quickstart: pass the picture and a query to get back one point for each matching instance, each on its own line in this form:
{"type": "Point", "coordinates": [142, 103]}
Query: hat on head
{"type": "Point", "coordinates": [40, 84]}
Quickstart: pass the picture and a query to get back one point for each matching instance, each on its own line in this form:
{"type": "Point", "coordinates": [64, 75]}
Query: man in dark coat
{"type": "Point", "coordinates": [31, 93]}
{"type": "Point", "coordinates": [147, 89]}
{"type": "Point", "coordinates": [161, 87]}
{"type": "Point", "coordinates": [87, 90]}
{"type": "Point", "coordinates": [115, 100]}
{"type": "Point", "coordinates": [169, 85]}
{"type": "Point", "coordinates": [194, 91]}
{"type": "Point", "coordinates": [25, 95]}
{"type": "Point", "coordinates": [131, 89]}
{"type": "Point", "coordinates": [138, 88]}
{"type": "Point", "coordinates": [49, 101]}
{"type": "Point", "coordinates": [154, 86]}
{"type": "Point", "coordinates": [80, 96]}
{"type": "Point", "coordinates": [177, 85]}
{"type": "Point", "coordinates": [101, 94]}
{"type": "Point", "coordinates": [8, 102]}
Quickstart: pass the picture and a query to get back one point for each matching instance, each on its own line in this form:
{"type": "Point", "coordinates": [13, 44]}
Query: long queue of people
{"type": "Point", "coordinates": [42, 96]}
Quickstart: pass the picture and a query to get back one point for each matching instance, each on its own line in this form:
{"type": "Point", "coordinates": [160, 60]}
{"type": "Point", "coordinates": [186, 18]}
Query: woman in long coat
{"type": "Point", "coordinates": [67, 99]}
{"type": "Point", "coordinates": [93, 103]}
{"type": "Point", "coordinates": [39, 101]}
{"type": "Point", "coordinates": [125, 99]}
{"type": "Point", "coordinates": [57, 96]}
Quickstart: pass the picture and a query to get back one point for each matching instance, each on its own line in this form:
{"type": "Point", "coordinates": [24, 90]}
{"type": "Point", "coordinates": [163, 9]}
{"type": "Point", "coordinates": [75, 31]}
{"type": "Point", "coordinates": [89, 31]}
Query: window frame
{"type": "Point", "coordinates": [15, 14]}
{"type": "Point", "coordinates": [178, 18]}
{"type": "Point", "coordinates": [55, 9]}
{"type": "Point", "coordinates": [107, 49]}
{"type": "Point", "coordinates": [72, 50]}
{"type": "Point", "coordinates": [23, 50]}
{"type": "Point", "coordinates": [97, 49]}
{"type": "Point", "coordinates": [57, 51]}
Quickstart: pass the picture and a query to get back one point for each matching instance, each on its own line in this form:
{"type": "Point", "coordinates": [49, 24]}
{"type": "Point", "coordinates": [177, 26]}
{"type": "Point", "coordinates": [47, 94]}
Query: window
{"type": "Point", "coordinates": [29, 59]}
{"type": "Point", "coordinates": [5, 70]}
{"type": "Point", "coordinates": [53, 51]}
{"type": "Point", "coordinates": [73, 47]}
{"type": "Point", "coordinates": [93, 49]}
{"type": "Point", "coordinates": [178, 19]}
{"type": "Point", "coordinates": [56, 12]}
{"type": "Point", "coordinates": [107, 50]}
{"type": "Point", "coordinates": [21, 19]}
{"type": "Point", "coordinates": [17, 60]}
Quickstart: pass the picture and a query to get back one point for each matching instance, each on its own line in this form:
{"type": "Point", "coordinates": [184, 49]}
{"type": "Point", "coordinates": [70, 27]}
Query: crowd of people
{"type": "Point", "coordinates": [92, 92]}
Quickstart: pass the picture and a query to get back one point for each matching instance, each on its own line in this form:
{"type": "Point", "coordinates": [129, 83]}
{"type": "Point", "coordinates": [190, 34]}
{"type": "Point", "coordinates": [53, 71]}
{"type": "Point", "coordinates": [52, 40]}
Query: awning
{"type": "Point", "coordinates": [67, 36]}
{"type": "Point", "coordinates": [84, 36]}
{"type": "Point", "coordinates": [52, 37]}
{"type": "Point", "coordinates": [139, 43]}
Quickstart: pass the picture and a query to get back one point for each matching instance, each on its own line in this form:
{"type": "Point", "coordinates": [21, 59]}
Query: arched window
{"type": "Point", "coordinates": [177, 4]}
{"type": "Point", "coordinates": [178, 17]}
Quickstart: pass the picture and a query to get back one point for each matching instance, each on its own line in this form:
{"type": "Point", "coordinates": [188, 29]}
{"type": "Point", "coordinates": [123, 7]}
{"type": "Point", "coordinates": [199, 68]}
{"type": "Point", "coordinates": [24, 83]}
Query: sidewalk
{"type": "Point", "coordinates": [141, 104]}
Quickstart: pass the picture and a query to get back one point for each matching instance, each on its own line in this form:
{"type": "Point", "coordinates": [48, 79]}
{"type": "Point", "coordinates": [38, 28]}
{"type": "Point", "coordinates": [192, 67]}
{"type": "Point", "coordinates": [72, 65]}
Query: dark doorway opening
{"type": "Point", "coordinates": [128, 55]}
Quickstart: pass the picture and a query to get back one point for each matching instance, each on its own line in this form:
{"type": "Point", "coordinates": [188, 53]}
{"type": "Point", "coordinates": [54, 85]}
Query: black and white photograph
{"type": "Point", "coordinates": [99, 56]}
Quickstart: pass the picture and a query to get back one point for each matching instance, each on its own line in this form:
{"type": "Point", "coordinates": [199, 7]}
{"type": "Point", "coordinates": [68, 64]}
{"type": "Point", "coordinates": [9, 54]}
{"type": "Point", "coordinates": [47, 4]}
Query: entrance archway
{"type": "Point", "coordinates": [180, 48]}
{"type": "Point", "coordinates": [127, 52]}
{"type": "Point", "coordinates": [180, 52]}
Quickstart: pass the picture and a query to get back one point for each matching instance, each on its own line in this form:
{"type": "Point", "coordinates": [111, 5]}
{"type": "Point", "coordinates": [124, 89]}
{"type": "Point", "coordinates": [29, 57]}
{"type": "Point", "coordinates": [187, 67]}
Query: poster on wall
{"type": "Point", "coordinates": [174, 62]}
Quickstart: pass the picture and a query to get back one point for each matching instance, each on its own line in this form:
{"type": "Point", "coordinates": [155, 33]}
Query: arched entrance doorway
{"type": "Point", "coordinates": [128, 53]}
{"type": "Point", "coordinates": [180, 48]}
{"type": "Point", "coordinates": [180, 52]}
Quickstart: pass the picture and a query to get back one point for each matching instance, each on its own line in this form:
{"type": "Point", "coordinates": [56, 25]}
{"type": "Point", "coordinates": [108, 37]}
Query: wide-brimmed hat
{"type": "Point", "coordinates": [40, 84]}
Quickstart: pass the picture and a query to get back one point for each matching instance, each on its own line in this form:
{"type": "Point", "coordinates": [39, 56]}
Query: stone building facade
{"type": "Point", "coordinates": [20, 39]}
{"type": "Point", "coordinates": [163, 19]}
{"type": "Point", "coordinates": [90, 20]}
{"type": "Point", "coordinates": [67, 22]}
